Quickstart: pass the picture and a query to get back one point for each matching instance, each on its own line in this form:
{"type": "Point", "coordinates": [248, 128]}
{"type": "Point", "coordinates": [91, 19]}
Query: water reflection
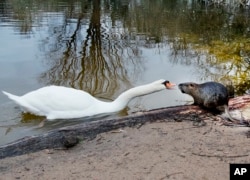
{"type": "Point", "coordinates": [106, 47]}
{"type": "Point", "coordinates": [90, 44]}
{"type": "Point", "coordinates": [91, 56]}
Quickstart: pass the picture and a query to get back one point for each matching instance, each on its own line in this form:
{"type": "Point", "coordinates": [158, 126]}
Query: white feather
{"type": "Point", "coordinates": [58, 102]}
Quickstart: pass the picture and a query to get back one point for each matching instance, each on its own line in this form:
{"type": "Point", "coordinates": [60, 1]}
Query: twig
{"type": "Point", "coordinates": [168, 175]}
{"type": "Point", "coordinates": [220, 156]}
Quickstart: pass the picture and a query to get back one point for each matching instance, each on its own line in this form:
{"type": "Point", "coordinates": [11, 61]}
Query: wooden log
{"type": "Point", "coordinates": [69, 136]}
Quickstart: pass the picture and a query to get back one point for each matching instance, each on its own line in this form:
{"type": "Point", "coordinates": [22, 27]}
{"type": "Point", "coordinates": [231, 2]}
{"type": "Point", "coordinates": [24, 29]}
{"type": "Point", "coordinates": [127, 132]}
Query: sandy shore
{"type": "Point", "coordinates": [160, 150]}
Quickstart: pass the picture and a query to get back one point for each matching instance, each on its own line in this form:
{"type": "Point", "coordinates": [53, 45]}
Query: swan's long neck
{"type": "Point", "coordinates": [121, 101]}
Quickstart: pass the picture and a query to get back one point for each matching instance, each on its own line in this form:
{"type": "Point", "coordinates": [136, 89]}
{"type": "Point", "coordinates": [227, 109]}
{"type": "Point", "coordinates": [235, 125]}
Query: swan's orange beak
{"type": "Point", "coordinates": [169, 85]}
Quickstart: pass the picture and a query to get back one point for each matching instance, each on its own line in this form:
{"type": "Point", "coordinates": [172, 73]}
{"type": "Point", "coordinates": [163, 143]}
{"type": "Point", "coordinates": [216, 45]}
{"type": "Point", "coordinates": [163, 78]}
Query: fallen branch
{"type": "Point", "coordinates": [71, 135]}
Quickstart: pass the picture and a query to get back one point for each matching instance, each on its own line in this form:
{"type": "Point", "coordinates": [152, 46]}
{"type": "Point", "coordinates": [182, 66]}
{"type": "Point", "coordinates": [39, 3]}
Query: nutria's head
{"type": "Point", "coordinates": [188, 88]}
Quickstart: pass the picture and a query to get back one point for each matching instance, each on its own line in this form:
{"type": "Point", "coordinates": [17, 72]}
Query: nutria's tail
{"type": "Point", "coordinates": [12, 96]}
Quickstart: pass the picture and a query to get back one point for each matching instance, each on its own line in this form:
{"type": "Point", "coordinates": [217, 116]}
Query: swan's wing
{"type": "Point", "coordinates": [57, 98]}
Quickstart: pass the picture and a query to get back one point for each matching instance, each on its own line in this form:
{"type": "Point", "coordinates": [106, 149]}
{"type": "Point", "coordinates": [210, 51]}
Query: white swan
{"type": "Point", "coordinates": [57, 102]}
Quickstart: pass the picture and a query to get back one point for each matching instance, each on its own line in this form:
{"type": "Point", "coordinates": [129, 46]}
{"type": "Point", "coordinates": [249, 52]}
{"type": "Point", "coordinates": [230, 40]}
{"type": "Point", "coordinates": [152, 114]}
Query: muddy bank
{"type": "Point", "coordinates": [158, 150]}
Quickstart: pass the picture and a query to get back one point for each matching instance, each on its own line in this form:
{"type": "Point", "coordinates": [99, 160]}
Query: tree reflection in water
{"type": "Point", "coordinates": [90, 55]}
{"type": "Point", "coordinates": [90, 44]}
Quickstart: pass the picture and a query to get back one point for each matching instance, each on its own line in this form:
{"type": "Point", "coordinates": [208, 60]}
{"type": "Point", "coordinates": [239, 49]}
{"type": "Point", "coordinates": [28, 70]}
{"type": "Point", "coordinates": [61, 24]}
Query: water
{"type": "Point", "coordinates": [107, 47]}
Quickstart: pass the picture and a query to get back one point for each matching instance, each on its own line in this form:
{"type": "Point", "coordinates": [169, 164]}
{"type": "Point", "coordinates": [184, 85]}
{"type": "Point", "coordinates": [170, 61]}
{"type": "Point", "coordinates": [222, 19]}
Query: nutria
{"type": "Point", "coordinates": [210, 95]}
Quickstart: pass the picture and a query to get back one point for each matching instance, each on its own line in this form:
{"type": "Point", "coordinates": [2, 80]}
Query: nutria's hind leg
{"type": "Point", "coordinates": [209, 104]}
{"type": "Point", "coordinates": [212, 108]}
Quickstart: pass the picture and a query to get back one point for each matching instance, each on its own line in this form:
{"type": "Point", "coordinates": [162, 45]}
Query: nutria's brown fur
{"type": "Point", "coordinates": [209, 95]}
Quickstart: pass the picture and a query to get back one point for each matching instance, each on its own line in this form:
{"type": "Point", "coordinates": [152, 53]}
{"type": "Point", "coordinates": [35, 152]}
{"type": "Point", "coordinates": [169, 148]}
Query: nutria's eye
{"type": "Point", "coordinates": [191, 85]}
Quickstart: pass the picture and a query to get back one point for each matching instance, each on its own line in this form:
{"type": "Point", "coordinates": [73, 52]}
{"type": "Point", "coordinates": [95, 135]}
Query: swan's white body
{"type": "Point", "coordinates": [57, 102]}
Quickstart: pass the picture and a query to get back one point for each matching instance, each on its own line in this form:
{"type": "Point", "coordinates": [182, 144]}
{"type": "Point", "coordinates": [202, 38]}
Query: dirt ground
{"type": "Point", "coordinates": [159, 150]}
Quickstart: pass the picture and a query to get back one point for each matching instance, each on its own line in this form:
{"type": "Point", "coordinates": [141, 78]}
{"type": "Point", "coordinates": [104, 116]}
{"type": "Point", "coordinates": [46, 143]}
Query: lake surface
{"type": "Point", "coordinates": [107, 47]}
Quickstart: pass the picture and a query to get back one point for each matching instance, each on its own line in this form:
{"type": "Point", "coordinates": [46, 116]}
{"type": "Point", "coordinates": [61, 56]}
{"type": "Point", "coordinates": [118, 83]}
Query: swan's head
{"type": "Point", "coordinates": [168, 84]}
